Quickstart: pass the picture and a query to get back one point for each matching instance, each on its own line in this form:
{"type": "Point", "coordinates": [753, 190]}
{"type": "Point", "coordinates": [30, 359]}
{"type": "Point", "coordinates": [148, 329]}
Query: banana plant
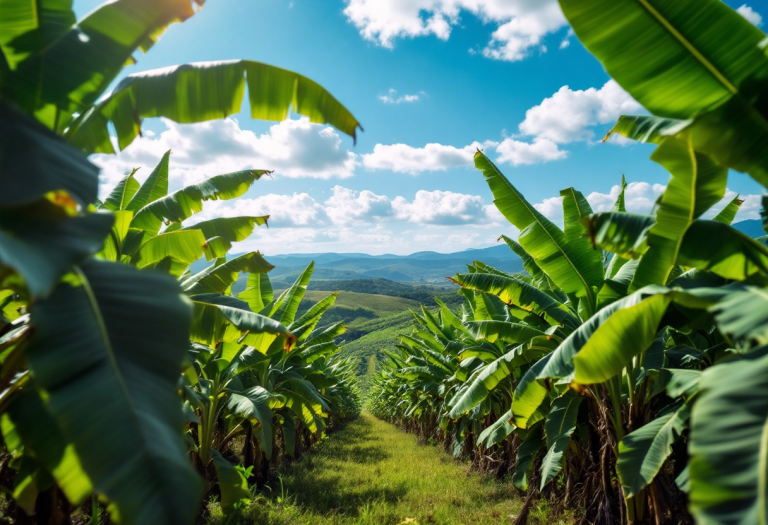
{"type": "Point", "coordinates": [274, 397]}
{"type": "Point", "coordinates": [604, 383]}
{"type": "Point", "coordinates": [89, 338]}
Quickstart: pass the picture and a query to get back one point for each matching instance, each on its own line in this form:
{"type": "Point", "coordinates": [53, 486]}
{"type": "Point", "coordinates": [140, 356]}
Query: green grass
{"type": "Point", "coordinates": [381, 304]}
{"type": "Point", "coordinates": [371, 473]}
{"type": "Point", "coordinates": [372, 344]}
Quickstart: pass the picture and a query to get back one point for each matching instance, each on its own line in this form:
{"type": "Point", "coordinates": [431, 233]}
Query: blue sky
{"type": "Point", "coordinates": [430, 80]}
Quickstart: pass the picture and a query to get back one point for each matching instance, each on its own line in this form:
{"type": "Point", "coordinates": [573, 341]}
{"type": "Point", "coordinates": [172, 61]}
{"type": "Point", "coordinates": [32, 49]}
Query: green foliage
{"type": "Point", "coordinates": [95, 327]}
{"type": "Point", "coordinates": [623, 327]}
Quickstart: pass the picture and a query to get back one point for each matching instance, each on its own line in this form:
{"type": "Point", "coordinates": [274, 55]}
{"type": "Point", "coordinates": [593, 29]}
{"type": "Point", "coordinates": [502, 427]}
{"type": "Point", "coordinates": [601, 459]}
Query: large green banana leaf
{"type": "Point", "coordinates": [616, 287]}
{"type": "Point", "coordinates": [697, 183]}
{"type": "Point", "coordinates": [40, 23]}
{"type": "Point", "coordinates": [233, 229]}
{"type": "Point", "coordinates": [185, 246]}
{"type": "Point", "coordinates": [620, 204]}
{"type": "Point", "coordinates": [664, 53]}
{"type": "Point", "coordinates": [218, 279]}
{"type": "Point", "coordinates": [304, 325]}
{"type": "Point", "coordinates": [122, 193]}
{"type": "Point", "coordinates": [204, 91]}
{"type": "Point", "coordinates": [289, 300]}
{"type": "Point", "coordinates": [505, 331]}
{"type": "Point", "coordinates": [258, 292]}
{"type": "Point", "coordinates": [496, 432]}
{"type": "Point", "coordinates": [729, 443]}
{"type": "Point", "coordinates": [41, 242]}
{"type": "Point", "coordinates": [643, 452]}
{"type": "Point", "coordinates": [155, 187]}
{"type": "Point", "coordinates": [182, 204]}
{"type": "Point", "coordinates": [723, 250]}
{"type": "Point", "coordinates": [560, 424]}
{"type": "Point", "coordinates": [529, 394]}
{"type": "Point", "coordinates": [727, 214]}
{"type": "Point", "coordinates": [41, 436]}
{"type": "Point", "coordinates": [36, 161]}
{"type": "Point", "coordinates": [562, 362]}
{"type": "Point", "coordinates": [233, 484]}
{"type": "Point", "coordinates": [221, 318]}
{"type": "Point", "coordinates": [253, 404]}
{"type": "Point", "coordinates": [619, 336]}
{"type": "Point", "coordinates": [526, 454]}
{"type": "Point", "coordinates": [520, 294]}
{"type": "Point", "coordinates": [113, 245]}
{"type": "Point", "coordinates": [572, 266]}
{"type": "Point", "coordinates": [529, 264]}
{"type": "Point", "coordinates": [107, 349]}
{"type": "Point", "coordinates": [742, 316]}
{"type": "Point", "coordinates": [647, 128]}
{"type": "Point", "coordinates": [575, 211]}
{"type": "Point", "coordinates": [325, 334]}
{"type": "Point", "coordinates": [623, 234]}
{"type": "Point", "coordinates": [72, 70]}
{"type": "Point", "coordinates": [491, 375]}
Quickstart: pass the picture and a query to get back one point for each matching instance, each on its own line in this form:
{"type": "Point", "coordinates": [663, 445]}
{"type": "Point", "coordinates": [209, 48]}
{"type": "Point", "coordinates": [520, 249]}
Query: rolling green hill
{"type": "Point", "coordinates": [374, 320]}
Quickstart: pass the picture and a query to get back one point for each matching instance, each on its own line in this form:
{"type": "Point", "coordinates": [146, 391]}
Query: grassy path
{"type": "Point", "coordinates": [371, 473]}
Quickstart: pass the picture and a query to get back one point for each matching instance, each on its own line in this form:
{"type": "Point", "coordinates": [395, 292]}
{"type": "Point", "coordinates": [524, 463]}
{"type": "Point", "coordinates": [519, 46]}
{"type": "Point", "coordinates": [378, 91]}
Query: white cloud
{"type": "Point", "coordinates": [403, 158]}
{"type": "Point", "coordinates": [292, 148]}
{"type": "Point", "coordinates": [568, 115]}
{"type": "Point", "coordinates": [442, 207]}
{"type": "Point", "coordinates": [516, 152]}
{"type": "Point", "coordinates": [392, 98]}
{"type": "Point", "coordinates": [347, 206]}
{"type": "Point", "coordinates": [520, 24]}
{"type": "Point", "coordinates": [565, 117]}
{"type": "Point", "coordinates": [750, 14]}
{"type": "Point", "coordinates": [297, 210]}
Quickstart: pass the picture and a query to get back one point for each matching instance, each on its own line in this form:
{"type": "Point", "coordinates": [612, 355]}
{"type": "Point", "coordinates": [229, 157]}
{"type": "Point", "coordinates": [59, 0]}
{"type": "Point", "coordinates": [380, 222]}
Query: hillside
{"type": "Point", "coordinates": [417, 268]}
{"type": "Point", "coordinates": [753, 227]}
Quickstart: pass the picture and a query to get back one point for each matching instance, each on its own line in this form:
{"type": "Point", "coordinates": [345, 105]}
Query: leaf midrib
{"type": "Point", "coordinates": [719, 76]}
{"type": "Point", "coordinates": [560, 248]}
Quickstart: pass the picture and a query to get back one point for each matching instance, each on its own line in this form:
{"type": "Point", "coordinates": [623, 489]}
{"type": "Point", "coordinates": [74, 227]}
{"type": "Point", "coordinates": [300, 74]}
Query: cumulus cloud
{"type": "Point", "coordinates": [565, 117]}
{"type": "Point", "coordinates": [750, 14]}
{"type": "Point", "coordinates": [392, 98]}
{"type": "Point", "coordinates": [403, 158]}
{"type": "Point", "coordinates": [520, 25]}
{"type": "Point", "coordinates": [568, 115]}
{"type": "Point", "coordinates": [347, 206]}
{"type": "Point", "coordinates": [292, 148]}
{"type": "Point", "coordinates": [442, 207]}
{"type": "Point", "coordinates": [516, 152]}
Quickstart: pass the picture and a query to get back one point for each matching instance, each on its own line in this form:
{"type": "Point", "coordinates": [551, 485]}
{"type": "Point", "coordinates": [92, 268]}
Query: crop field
{"type": "Point", "coordinates": [224, 302]}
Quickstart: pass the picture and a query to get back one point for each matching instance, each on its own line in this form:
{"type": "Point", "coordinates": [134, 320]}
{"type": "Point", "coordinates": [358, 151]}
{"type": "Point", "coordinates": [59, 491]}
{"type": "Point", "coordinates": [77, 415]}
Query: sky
{"type": "Point", "coordinates": [431, 81]}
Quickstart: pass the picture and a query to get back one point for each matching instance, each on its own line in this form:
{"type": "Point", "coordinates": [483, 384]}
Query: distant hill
{"type": "Point", "coordinates": [420, 267]}
{"type": "Point", "coordinates": [753, 228]}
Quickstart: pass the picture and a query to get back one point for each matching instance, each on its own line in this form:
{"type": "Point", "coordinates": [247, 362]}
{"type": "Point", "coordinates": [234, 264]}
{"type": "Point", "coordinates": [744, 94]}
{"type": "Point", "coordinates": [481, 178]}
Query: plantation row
{"type": "Point", "coordinates": [128, 382]}
{"type": "Point", "coordinates": [625, 375]}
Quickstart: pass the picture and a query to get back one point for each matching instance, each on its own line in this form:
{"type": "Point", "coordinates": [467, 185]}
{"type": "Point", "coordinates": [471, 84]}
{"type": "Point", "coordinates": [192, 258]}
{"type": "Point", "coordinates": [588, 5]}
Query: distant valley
{"type": "Point", "coordinates": [420, 267]}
